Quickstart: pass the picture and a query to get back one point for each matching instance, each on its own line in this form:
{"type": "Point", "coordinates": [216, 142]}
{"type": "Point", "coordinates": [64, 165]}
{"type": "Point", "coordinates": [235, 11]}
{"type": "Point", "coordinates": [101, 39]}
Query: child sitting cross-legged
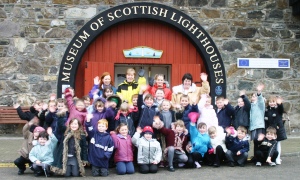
{"type": "Point", "coordinates": [217, 140]}
{"type": "Point", "coordinates": [176, 139]}
{"type": "Point", "coordinates": [238, 146]}
{"type": "Point", "coordinates": [200, 142]}
{"type": "Point", "coordinates": [266, 151]}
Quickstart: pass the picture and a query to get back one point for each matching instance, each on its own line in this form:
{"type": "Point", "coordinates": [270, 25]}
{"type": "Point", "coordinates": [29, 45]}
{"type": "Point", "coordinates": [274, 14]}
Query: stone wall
{"type": "Point", "coordinates": [34, 35]}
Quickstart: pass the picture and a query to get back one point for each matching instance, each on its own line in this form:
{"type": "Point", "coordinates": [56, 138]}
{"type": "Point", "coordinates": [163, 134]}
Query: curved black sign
{"type": "Point", "coordinates": [144, 10]}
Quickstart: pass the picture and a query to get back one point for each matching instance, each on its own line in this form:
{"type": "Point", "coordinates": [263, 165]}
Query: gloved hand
{"type": "Point", "coordinates": [211, 151]}
{"type": "Point", "coordinates": [193, 116]}
{"type": "Point", "coordinates": [141, 72]}
{"type": "Point", "coordinates": [150, 81]}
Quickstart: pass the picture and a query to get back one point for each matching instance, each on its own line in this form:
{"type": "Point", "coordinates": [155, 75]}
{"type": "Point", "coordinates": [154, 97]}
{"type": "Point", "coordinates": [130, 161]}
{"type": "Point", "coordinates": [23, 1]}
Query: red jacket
{"type": "Point", "coordinates": [170, 138]}
{"type": "Point", "coordinates": [123, 148]}
{"type": "Point", "coordinates": [167, 91]}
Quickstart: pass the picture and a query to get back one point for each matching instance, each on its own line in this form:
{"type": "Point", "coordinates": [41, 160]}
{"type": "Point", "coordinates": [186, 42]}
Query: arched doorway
{"type": "Point", "coordinates": [124, 13]}
{"type": "Point", "coordinates": [105, 53]}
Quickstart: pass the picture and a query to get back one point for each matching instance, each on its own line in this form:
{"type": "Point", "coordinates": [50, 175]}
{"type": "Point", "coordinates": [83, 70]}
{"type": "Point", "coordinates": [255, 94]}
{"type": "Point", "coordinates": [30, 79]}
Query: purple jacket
{"type": "Point", "coordinates": [107, 113]}
{"type": "Point", "coordinates": [123, 147]}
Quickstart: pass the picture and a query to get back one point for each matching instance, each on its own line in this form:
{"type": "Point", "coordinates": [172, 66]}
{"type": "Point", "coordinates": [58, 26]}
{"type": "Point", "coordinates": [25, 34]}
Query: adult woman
{"type": "Point", "coordinates": [159, 83]}
{"type": "Point", "coordinates": [189, 88]}
{"type": "Point", "coordinates": [100, 84]}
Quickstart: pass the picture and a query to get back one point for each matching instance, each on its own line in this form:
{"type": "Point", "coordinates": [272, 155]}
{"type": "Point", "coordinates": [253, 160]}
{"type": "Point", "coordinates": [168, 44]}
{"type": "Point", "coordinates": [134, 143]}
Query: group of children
{"type": "Point", "coordinates": [139, 125]}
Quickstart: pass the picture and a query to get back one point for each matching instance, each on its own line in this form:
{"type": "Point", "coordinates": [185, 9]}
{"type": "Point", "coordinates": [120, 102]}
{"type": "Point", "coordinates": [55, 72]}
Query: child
{"type": "Point", "coordinates": [101, 147]}
{"type": "Point", "coordinates": [238, 146]}
{"type": "Point", "coordinates": [167, 114]}
{"type": "Point", "coordinates": [53, 116]}
{"type": "Point", "coordinates": [217, 141]}
{"type": "Point", "coordinates": [30, 140]}
{"type": "Point", "coordinates": [129, 86]}
{"type": "Point", "coordinates": [87, 103]}
{"type": "Point", "coordinates": [134, 110]}
{"type": "Point", "coordinates": [41, 155]}
{"type": "Point", "coordinates": [273, 117]}
{"type": "Point", "coordinates": [124, 117]}
{"type": "Point", "coordinates": [113, 104]}
{"type": "Point", "coordinates": [76, 110]}
{"type": "Point", "coordinates": [224, 111]}
{"type": "Point", "coordinates": [107, 91]}
{"type": "Point", "coordinates": [242, 111]}
{"type": "Point", "coordinates": [159, 96]}
{"type": "Point", "coordinates": [266, 150]}
{"type": "Point", "coordinates": [184, 109]}
{"type": "Point", "coordinates": [176, 139]}
{"type": "Point", "coordinates": [100, 112]}
{"type": "Point", "coordinates": [149, 150]}
{"type": "Point", "coordinates": [208, 114]}
{"type": "Point", "coordinates": [200, 143]}
{"type": "Point", "coordinates": [123, 150]}
{"type": "Point", "coordinates": [147, 108]}
{"type": "Point", "coordinates": [34, 110]}
{"type": "Point", "coordinates": [159, 83]}
{"type": "Point", "coordinates": [71, 155]}
{"type": "Point", "coordinates": [257, 112]}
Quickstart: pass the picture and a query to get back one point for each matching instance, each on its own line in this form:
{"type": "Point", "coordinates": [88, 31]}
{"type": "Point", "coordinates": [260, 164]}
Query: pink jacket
{"type": "Point", "coordinates": [74, 113]}
{"type": "Point", "coordinates": [123, 148]}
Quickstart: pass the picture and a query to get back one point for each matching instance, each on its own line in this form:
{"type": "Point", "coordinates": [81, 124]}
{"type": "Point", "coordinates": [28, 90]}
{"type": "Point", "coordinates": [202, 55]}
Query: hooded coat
{"type": "Point", "coordinates": [59, 165]}
{"type": "Point", "coordinates": [242, 114]}
{"type": "Point", "coordinates": [148, 150]}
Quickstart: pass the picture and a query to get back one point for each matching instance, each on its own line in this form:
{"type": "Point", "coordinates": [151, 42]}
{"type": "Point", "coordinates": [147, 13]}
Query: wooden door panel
{"type": "Point", "coordinates": [94, 69]}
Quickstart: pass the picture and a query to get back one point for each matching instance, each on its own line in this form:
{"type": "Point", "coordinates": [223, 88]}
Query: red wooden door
{"type": "Point", "coordinates": [107, 49]}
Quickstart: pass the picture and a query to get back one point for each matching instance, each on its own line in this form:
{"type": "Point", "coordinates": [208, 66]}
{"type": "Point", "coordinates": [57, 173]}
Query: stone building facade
{"type": "Point", "coordinates": [35, 34]}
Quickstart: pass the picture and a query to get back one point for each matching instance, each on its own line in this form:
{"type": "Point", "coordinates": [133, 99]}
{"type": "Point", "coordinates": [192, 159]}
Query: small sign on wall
{"type": "Point", "coordinates": [262, 63]}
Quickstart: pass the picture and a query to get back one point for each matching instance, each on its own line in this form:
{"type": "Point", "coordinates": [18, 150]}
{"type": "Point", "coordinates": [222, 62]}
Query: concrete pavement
{"type": "Point", "coordinates": [9, 146]}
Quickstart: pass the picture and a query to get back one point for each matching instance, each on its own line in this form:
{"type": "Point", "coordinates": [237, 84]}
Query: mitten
{"type": "Point", "coordinates": [193, 116]}
{"type": "Point", "coordinates": [141, 72]}
{"type": "Point", "coordinates": [211, 151]}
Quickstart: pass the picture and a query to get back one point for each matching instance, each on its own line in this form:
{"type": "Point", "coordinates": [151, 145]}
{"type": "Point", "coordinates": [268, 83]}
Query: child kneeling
{"type": "Point", "coordinates": [149, 150]}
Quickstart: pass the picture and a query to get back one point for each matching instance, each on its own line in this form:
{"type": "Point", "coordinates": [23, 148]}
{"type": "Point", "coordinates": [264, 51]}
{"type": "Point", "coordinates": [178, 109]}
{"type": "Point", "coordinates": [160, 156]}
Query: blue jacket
{"type": "Point", "coordinates": [101, 147]}
{"type": "Point", "coordinates": [225, 115]}
{"type": "Point", "coordinates": [52, 120]}
{"type": "Point", "coordinates": [234, 144]}
{"type": "Point", "coordinates": [185, 113]}
{"type": "Point", "coordinates": [44, 153]}
{"type": "Point", "coordinates": [200, 142]}
{"type": "Point", "coordinates": [257, 114]}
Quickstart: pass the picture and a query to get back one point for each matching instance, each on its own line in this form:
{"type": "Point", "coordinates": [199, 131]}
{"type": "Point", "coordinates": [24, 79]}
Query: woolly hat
{"type": "Point", "coordinates": [116, 99]}
{"type": "Point", "coordinates": [193, 116]}
{"type": "Point", "coordinates": [38, 129]}
{"type": "Point", "coordinates": [148, 129]}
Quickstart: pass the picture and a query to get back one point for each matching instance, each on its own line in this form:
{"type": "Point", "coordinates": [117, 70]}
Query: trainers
{"type": "Point", "coordinates": [278, 161]}
{"type": "Point", "coordinates": [181, 164]}
{"type": "Point", "coordinates": [272, 164]}
{"type": "Point", "coordinates": [197, 165]}
{"type": "Point", "coordinates": [258, 164]}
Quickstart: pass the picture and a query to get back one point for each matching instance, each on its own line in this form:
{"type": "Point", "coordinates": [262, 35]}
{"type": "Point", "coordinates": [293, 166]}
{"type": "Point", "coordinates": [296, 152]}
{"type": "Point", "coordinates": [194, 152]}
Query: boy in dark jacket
{"type": "Point", "coordinates": [267, 148]}
{"type": "Point", "coordinates": [238, 146]}
{"type": "Point", "coordinates": [224, 112]}
{"type": "Point", "coordinates": [101, 147]}
{"type": "Point", "coordinates": [147, 108]}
